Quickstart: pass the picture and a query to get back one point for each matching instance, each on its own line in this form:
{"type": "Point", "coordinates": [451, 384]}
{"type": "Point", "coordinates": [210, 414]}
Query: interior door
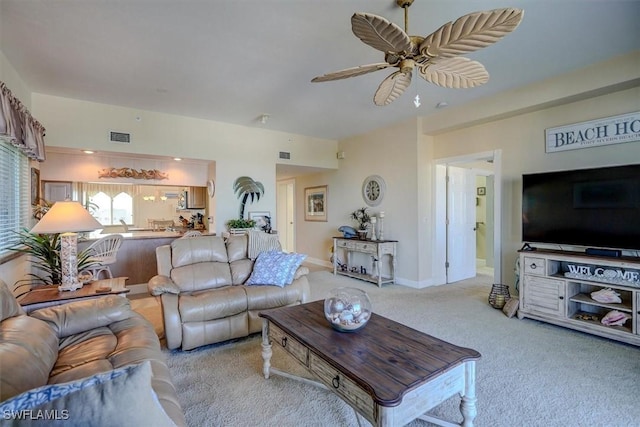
{"type": "Point", "coordinates": [286, 215]}
{"type": "Point", "coordinates": [461, 223]}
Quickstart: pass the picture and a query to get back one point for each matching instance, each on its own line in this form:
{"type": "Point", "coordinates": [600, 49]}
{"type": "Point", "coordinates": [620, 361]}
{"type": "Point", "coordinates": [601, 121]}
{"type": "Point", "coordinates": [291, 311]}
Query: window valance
{"type": "Point", "coordinates": [18, 127]}
{"type": "Point", "coordinates": [111, 190]}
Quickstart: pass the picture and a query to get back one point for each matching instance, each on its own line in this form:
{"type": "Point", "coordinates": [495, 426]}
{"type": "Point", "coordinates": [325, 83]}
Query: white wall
{"type": "Point", "coordinates": [237, 150]}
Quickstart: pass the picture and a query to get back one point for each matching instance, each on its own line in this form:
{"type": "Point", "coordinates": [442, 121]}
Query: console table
{"type": "Point", "coordinates": [556, 287]}
{"type": "Point", "coordinates": [376, 248]}
{"type": "Point", "coordinates": [388, 373]}
{"type": "Point", "coordinates": [46, 296]}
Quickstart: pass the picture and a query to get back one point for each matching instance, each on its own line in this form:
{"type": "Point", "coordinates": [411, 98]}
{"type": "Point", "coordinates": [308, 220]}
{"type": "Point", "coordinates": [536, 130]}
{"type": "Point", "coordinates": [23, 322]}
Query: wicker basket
{"type": "Point", "coordinates": [499, 295]}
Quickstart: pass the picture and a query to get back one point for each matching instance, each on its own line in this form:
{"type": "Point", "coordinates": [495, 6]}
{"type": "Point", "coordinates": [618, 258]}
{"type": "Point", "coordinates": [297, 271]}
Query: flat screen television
{"type": "Point", "coordinates": [597, 208]}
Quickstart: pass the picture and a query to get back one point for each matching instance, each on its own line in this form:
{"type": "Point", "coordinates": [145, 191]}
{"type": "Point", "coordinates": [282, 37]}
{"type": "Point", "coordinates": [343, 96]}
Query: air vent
{"type": "Point", "coordinates": [120, 137]}
{"type": "Point", "coordinates": [285, 155]}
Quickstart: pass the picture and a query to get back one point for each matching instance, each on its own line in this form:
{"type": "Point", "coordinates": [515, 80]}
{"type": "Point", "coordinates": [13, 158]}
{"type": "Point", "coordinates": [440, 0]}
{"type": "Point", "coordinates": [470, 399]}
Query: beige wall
{"type": "Point", "coordinates": [521, 140]}
{"type": "Point", "coordinates": [405, 159]}
{"type": "Point", "coordinates": [13, 81]}
{"type": "Point", "coordinates": [402, 154]}
{"type": "Point", "coordinates": [15, 268]}
{"type": "Point", "coordinates": [237, 150]}
{"type": "Point", "coordinates": [392, 153]}
{"type": "Point", "coordinates": [81, 167]}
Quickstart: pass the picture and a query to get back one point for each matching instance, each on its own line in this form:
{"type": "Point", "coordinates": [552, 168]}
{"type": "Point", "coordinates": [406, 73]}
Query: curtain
{"type": "Point", "coordinates": [18, 127]}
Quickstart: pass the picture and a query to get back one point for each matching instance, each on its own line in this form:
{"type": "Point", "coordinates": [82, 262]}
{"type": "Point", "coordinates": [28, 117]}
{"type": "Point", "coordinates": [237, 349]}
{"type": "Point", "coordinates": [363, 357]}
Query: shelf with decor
{"type": "Point", "coordinates": [377, 249]}
{"type": "Point", "coordinates": [564, 288]}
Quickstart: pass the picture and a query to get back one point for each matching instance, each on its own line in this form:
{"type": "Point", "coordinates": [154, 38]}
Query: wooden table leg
{"type": "Point", "coordinates": [468, 401]}
{"type": "Point", "coordinates": [266, 348]}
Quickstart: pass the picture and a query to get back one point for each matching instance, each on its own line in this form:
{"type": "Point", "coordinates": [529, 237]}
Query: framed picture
{"type": "Point", "coordinates": [315, 203]}
{"type": "Point", "coordinates": [260, 217]}
{"type": "Point", "coordinates": [57, 191]}
{"type": "Point", "coordinates": [482, 191]}
{"type": "Point", "coordinates": [35, 186]}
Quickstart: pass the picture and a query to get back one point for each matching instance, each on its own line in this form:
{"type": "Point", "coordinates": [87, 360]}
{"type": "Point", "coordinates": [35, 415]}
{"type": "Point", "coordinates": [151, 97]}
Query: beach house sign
{"type": "Point", "coordinates": [594, 133]}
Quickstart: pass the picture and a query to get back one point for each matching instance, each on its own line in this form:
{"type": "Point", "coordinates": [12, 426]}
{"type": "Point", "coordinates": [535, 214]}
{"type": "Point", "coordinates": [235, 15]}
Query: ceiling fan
{"type": "Point", "coordinates": [435, 57]}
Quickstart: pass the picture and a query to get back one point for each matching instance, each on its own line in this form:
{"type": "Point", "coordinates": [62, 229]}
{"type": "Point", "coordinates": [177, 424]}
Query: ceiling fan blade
{"type": "Point", "coordinates": [391, 88]}
{"type": "Point", "coordinates": [351, 72]}
{"type": "Point", "coordinates": [379, 33]}
{"type": "Point", "coordinates": [471, 32]}
{"type": "Point", "coordinates": [457, 73]}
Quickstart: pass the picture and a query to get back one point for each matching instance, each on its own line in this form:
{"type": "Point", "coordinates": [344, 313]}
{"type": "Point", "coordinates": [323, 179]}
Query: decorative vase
{"type": "Point", "coordinates": [362, 234]}
{"type": "Point", "coordinates": [347, 309]}
{"type": "Point", "coordinates": [499, 295]}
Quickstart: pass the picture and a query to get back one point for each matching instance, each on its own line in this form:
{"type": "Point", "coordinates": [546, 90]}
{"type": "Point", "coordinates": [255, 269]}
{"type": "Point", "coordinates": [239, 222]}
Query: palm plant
{"type": "Point", "coordinates": [245, 187]}
{"type": "Point", "coordinates": [45, 250]}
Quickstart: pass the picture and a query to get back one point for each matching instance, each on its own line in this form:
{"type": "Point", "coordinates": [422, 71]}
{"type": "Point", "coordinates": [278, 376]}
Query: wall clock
{"type": "Point", "coordinates": [373, 189]}
{"type": "Point", "coordinates": [211, 188]}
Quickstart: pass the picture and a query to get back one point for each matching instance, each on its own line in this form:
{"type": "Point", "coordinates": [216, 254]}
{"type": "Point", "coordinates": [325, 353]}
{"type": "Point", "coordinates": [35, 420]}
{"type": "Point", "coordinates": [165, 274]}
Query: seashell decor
{"type": "Point", "coordinates": [347, 309]}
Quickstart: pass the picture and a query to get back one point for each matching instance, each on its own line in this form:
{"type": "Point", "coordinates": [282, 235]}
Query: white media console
{"type": "Point", "coordinates": [556, 287]}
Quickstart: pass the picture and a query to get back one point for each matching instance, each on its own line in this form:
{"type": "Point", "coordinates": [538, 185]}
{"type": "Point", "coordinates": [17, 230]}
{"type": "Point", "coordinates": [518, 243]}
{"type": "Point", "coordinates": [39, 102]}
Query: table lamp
{"type": "Point", "coordinates": [68, 218]}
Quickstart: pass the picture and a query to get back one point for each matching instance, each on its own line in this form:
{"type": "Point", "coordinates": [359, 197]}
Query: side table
{"type": "Point", "coordinates": [376, 248]}
{"type": "Point", "coordinates": [46, 296]}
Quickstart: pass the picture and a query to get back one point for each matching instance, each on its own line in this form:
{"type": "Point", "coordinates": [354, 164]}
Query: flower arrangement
{"type": "Point", "coordinates": [362, 218]}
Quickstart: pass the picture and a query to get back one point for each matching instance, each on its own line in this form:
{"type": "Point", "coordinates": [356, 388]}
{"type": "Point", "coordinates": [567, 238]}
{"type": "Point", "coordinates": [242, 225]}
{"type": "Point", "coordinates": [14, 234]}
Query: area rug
{"type": "Point", "coordinates": [531, 373]}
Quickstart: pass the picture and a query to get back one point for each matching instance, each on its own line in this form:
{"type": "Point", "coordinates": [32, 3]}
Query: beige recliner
{"type": "Point", "coordinates": [201, 283]}
{"type": "Point", "coordinates": [62, 348]}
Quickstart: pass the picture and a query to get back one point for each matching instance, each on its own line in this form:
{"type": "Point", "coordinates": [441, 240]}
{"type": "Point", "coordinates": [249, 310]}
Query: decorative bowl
{"type": "Point", "coordinates": [347, 309]}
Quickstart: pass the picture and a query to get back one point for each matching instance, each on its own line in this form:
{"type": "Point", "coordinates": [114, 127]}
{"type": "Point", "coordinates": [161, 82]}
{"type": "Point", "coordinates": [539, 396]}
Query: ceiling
{"type": "Point", "coordinates": [232, 61]}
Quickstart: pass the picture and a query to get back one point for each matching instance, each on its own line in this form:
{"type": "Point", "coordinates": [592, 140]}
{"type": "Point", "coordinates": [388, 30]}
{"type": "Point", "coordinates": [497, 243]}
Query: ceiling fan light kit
{"type": "Point", "coordinates": [435, 58]}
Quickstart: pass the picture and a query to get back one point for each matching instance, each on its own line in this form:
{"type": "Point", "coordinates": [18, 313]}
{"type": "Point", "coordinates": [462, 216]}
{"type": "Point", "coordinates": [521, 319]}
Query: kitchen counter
{"type": "Point", "coordinates": [143, 234]}
{"type": "Point", "coordinates": [136, 258]}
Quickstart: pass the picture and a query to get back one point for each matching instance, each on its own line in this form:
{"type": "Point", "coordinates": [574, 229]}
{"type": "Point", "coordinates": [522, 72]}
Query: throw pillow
{"type": "Point", "coordinates": [116, 398]}
{"type": "Point", "coordinates": [275, 268]}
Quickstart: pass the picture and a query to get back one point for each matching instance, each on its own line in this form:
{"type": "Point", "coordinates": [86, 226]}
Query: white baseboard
{"type": "Point", "coordinates": [320, 262]}
{"type": "Point", "coordinates": [399, 280]}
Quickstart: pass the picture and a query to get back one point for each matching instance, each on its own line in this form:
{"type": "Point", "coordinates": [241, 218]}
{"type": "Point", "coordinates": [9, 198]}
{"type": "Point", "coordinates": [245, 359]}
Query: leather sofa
{"type": "Point", "coordinates": [201, 282]}
{"type": "Point", "coordinates": [77, 345]}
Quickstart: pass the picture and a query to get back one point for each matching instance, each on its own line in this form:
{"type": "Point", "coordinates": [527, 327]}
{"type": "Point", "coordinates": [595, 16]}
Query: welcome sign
{"type": "Point", "coordinates": [594, 133]}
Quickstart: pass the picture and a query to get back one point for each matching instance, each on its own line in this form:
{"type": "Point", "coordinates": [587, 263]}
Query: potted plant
{"type": "Point", "coordinates": [240, 225]}
{"type": "Point", "coordinates": [45, 252]}
{"type": "Point", "coordinates": [362, 219]}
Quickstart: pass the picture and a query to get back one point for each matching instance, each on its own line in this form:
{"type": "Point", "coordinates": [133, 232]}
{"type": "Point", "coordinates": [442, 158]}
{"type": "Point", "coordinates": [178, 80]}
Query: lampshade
{"type": "Point", "coordinates": [64, 217]}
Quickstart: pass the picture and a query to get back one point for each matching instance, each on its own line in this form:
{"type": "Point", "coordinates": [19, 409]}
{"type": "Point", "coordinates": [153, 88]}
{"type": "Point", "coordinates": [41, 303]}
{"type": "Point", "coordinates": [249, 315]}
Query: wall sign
{"type": "Point", "coordinates": [617, 276]}
{"type": "Point", "coordinates": [594, 133]}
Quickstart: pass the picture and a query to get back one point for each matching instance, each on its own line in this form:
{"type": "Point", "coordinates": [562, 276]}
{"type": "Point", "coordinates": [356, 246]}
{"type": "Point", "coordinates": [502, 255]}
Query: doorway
{"type": "Point", "coordinates": [285, 214]}
{"type": "Point", "coordinates": [467, 214]}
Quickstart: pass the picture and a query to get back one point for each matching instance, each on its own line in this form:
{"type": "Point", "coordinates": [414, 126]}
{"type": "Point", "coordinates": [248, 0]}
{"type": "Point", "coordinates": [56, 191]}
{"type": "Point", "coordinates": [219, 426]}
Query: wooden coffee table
{"type": "Point", "coordinates": [387, 372]}
{"type": "Point", "coordinates": [46, 296]}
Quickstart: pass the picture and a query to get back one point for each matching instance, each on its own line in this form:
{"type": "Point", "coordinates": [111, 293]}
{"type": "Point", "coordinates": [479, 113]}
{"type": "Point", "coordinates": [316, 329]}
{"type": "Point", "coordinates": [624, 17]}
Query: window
{"type": "Point", "coordinates": [15, 194]}
{"type": "Point", "coordinates": [110, 210]}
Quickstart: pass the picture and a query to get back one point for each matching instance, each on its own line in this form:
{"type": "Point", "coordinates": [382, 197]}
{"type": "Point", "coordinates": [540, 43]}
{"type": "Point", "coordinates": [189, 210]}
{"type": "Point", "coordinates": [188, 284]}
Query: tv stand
{"type": "Point", "coordinates": [556, 287]}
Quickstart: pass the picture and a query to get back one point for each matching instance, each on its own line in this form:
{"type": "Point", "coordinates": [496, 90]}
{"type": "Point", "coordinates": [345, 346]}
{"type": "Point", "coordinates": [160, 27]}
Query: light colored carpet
{"type": "Point", "coordinates": [530, 374]}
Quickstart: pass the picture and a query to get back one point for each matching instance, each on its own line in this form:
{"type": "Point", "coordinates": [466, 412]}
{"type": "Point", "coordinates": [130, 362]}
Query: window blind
{"type": "Point", "coordinates": [15, 196]}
